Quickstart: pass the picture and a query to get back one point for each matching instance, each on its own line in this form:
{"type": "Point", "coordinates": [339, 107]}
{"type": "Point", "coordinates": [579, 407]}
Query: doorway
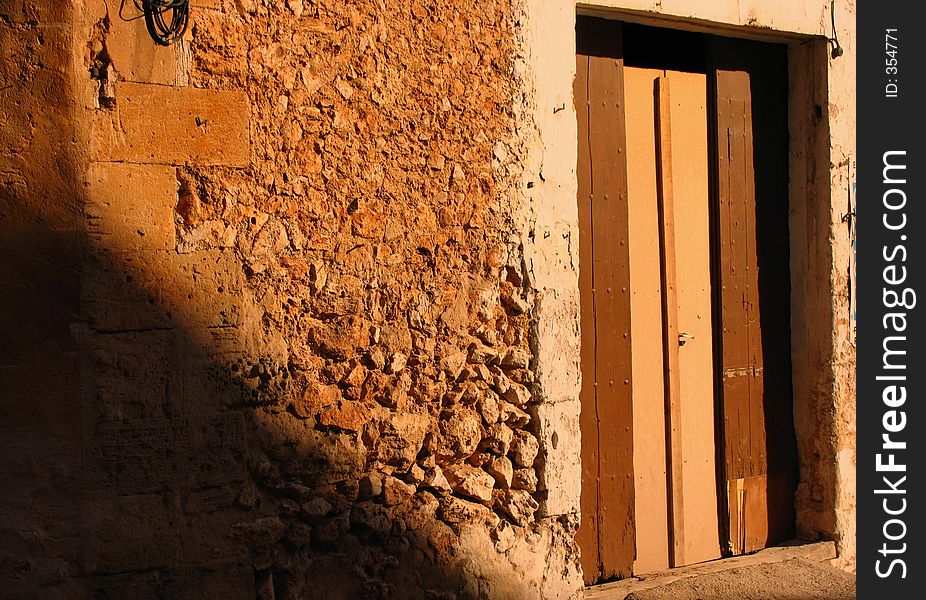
{"type": "Point", "coordinates": [688, 447]}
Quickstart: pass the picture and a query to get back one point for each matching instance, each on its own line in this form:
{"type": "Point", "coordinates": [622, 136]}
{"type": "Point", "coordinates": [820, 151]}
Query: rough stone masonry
{"type": "Point", "coordinates": [287, 341]}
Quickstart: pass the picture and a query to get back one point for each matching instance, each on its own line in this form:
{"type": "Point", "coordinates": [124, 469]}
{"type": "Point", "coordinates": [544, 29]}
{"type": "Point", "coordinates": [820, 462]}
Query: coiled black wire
{"type": "Point", "coordinates": [166, 19]}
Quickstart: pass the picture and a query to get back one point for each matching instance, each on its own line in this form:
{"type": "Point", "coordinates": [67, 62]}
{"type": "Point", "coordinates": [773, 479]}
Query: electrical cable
{"type": "Point", "coordinates": [837, 49]}
{"type": "Point", "coordinates": [166, 20]}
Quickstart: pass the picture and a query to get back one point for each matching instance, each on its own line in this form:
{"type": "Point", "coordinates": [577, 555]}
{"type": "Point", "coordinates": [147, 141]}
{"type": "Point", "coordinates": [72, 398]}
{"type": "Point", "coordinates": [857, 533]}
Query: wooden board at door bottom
{"type": "Point", "coordinates": [761, 511]}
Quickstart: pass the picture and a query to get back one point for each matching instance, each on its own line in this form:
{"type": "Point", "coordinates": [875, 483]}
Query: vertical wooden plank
{"type": "Point", "coordinates": [691, 202]}
{"type": "Point", "coordinates": [737, 349]}
{"type": "Point", "coordinates": [587, 536]}
{"type": "Point", "coordinates": [605, 186]}
{"type": "Point", "coordinates": [670, 322]}
{"type": "Point", "coordinates": [754, 362]}
{"type": "Point", "coordinates": [750, 116]}
{"type": "Point", "coordinates": [612, 315]}
{"type": "Point", "coordinates": [649, 408]}
{"type": "Point", "coordinates": [744, 428]}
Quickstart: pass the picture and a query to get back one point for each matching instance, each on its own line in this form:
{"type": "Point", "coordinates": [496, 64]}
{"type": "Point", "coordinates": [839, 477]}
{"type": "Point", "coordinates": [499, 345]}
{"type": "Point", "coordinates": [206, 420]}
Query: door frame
{"type": "Point", "coordinates": [542, 206]}
{"type": "Point", "coordinates": [808, 202]}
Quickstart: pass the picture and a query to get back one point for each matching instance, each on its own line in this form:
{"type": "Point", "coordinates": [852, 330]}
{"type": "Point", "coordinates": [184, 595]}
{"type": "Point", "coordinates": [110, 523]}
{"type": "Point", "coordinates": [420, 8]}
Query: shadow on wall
{"type": "Point", "coordinates": [149, 463]}
{"type": "Point", "coordinates": [161, 438]}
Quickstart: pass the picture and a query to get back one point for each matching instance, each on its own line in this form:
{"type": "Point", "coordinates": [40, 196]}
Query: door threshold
{"type": "Point", "coordinates": [618, 590]}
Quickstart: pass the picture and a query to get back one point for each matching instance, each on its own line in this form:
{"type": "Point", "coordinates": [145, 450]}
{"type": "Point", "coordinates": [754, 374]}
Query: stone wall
{"type": "Point", "coordinates": [300, 328]}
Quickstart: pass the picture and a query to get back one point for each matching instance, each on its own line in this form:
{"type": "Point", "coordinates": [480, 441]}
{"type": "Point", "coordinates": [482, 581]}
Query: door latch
{"type": "Point", "coordinates": [683, 337]}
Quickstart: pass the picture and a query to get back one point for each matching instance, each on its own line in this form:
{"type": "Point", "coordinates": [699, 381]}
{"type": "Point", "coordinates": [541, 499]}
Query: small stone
{"type": "Point", "coordinates": [436, 162]}
{"type": "Point", "coordinates": [512, 415]}
{"type": "Point", "coordinates": [341, 338]}
{"type": "Point", "coordinates": [471, 393]}
{"type": "Point", "coordinates": [377, 358]}
{"type": "Point", "coordinates": [500, 468]}
{"type": "Point", "coordinates": [519, 505]}
{"type": "Point", "coordinates": [420, 511]}
{"type": "Point", "coordinates": [453, 364]}
{"type": "Point", "coordinates": [516, 358]}
{"type": "Point", "coordinates": [396, 363]}
{"type": "Point", "coordinates": [500, 152]}
{"type": "Point", "coordinates": [399, 527]}
{"type": "Point", "coordinates": [248, 497]}
{"type": "Point", "coordinates": [482, 373]}
{"type": "Point", "coordinates": [246, 5]}
{"type": "Point", "coordinates": [460, 433]}
{"type": "Point", "coordinates": [318, 277]}
{"type": "Point", "coordinates": [328, 532]}
{"type": "Point", "coordinates": [294, 490]}
{"type": "Point", "coordinates": [488, 335]}
{"type": "Point", "coordinates": [479, 459]}
{"type": "Point", "coordinates": [512, 299]}
{"type": "Point", "coordinates": [289, 508]}
{"type": "Point", "coordinates": [525, 479]}
{"type": "Point", "coordinates": [517, 394]}
{"type": "Point", "coordinates": [504, 537]}
{"type": "Point", "coordinates": [315, 510]}
{"type": "Point", "coordinates": [370, 486]}
{"type": "Point", "coordinates": [356, 377]}
{"type": "Point", "coordinates": [346, 416]}
{"type": "Point", "coordinates": [487, 405]}
{"type": "Point", "coordinates": [457, 510]}
{"type": "Point", "coordinates": [498, 439]}
{"type": "Point", "coordinates": [348, 490]}
{"type": "Point", "coordinates": [524, 449]}
{"type": "Point", "coordinates": [436, 481]}
{"type": "Point", "coordinates": [415, 474]}
{"type": "Point", "coordinates": [500, 383]}
{"type": "Point", "coordinates": [344, 88]}
{"type": "Point", "coordinates": [471, 482]}
{"type": "Point", "coordinates": [396, 491]}
{"type": "Point", "coordinates": [480, 355]}
{"type": "Point", "coordinates": [402, 439]}
{"type": "Point", "coordinates": [467, 374]}
{"type": "Point", "coordinates": [295, 6]}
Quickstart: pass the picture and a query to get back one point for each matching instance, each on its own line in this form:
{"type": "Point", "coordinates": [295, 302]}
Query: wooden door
{"type": "Point", "coordinates": [688, 447]}
{"type": "Point", "coordinates": [649, 410]}
{"type": "Point", "coordinates": [751, 256]}
{"type": "Point", "coordinates": [684, 96]}
{"type": "Point", "coordinates": [673, 387]}
{"type": "Point", "coordinates": [606, 533]}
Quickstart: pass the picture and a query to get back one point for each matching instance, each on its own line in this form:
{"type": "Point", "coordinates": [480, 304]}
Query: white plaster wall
{"type": "Point", "coordinates": [790, 16]}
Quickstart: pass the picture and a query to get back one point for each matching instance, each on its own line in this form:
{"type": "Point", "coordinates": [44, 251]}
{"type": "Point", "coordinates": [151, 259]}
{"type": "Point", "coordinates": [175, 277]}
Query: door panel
{"type": "Point", "coordinates": [606, 535]}
{"type": "Point", "coordinates": [751, 153]}
{"type": "Point", "coordinates": [649, 411]}
{"type": "Point", "coordinates": [688, 109]}
{"type": "Point", "coordinates": [587, 536]}
{"type": "Point", "coordinates": [689, 520]}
